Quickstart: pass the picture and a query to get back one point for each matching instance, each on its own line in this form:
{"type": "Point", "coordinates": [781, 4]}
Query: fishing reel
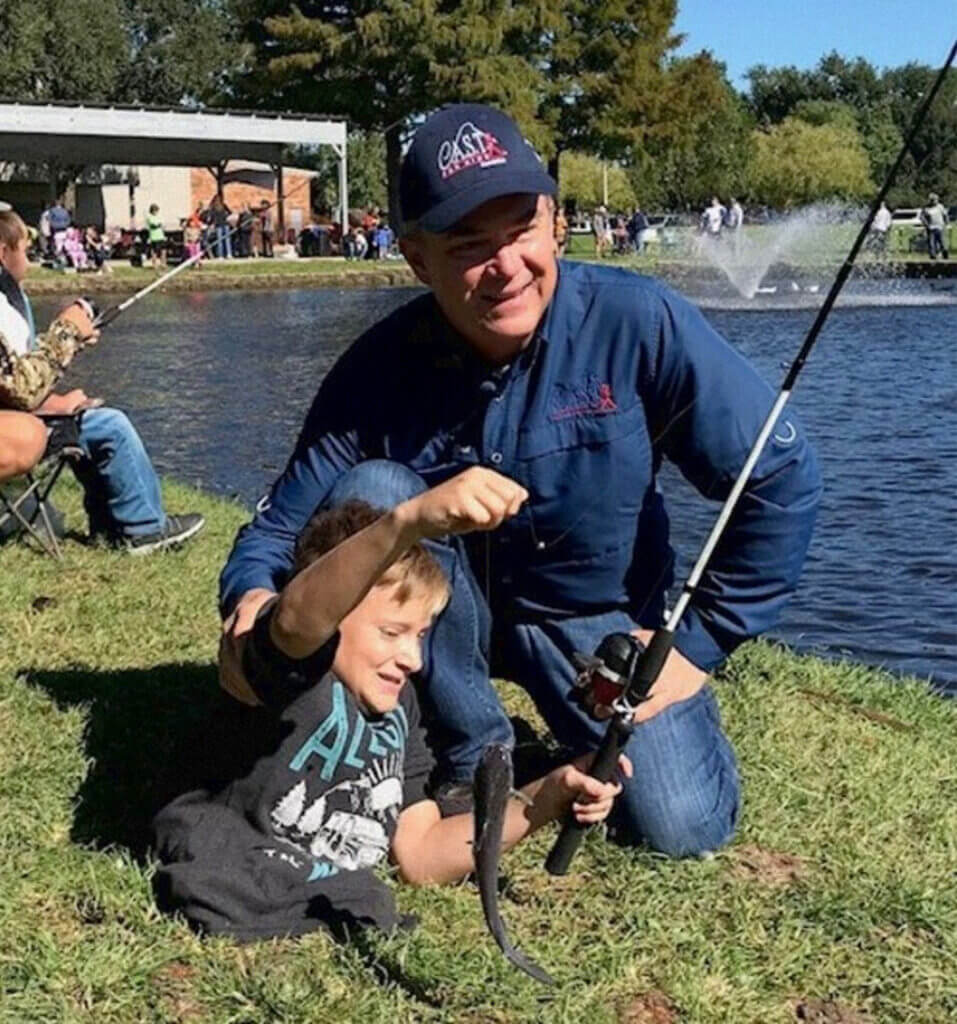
{"type": "Point", "coordinates": [603, 677]}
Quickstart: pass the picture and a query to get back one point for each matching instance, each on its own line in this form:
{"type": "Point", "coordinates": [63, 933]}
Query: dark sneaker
{"type": "Point", "coordinates": [177, 530]}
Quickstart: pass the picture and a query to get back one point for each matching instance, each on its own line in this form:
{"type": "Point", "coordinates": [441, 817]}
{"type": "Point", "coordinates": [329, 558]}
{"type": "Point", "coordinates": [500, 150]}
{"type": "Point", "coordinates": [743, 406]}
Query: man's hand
{"type": "Point", "coordinates": [478, 499]}
{"type": "Point", "coordinates": [679, 680]}
{"type": "Point", "coordinates": [68, 404]}
{"type": "Point", "coordinates": [75, 314]}
{"type": "Point", "coordinates": [233, 640]}
{"type": "Point", "coordinates": [591, 800]}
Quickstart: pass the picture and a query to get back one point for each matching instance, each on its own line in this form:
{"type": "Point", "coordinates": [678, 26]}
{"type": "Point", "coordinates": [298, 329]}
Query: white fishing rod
{"type": "Point", "coordinates": [107, 316]}
{"type": "Point", "coordinates": [640, 670]}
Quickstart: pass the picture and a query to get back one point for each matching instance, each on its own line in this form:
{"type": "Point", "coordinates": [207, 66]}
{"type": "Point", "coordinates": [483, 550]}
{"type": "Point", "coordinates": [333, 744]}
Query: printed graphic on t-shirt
{"type": "Point", "coordinates": [348, 825]}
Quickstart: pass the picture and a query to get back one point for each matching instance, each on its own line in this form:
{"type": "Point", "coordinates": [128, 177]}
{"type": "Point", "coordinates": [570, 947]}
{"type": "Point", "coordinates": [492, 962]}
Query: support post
{"type": "Point", "coordinates": [344, 188]}
{"type": "Point", "coordinates": [281, 204]}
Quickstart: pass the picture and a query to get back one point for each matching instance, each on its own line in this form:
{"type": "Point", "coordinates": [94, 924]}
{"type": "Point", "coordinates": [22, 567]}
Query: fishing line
{"type": "Point", "coordinates": [107, 316]}
{"type": "Point", "coordinates": [652, 659]}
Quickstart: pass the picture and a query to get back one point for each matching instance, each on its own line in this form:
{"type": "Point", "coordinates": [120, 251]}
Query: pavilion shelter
{"type": "Point", "coordinates": [230, 144]}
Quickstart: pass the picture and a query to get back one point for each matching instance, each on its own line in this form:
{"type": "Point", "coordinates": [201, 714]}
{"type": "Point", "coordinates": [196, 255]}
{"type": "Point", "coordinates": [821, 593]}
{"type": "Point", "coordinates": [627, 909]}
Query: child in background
{"type": "Point", "coordinates": [335, 777]}
{"type": "Point", "coordinates": [192, 237]}
{"type": "Point", "coordinates": [156, 238]}
{"type": "Point", "coordinates": [95, 249]}
{"type": "Point", "coordinates": [74, 249]}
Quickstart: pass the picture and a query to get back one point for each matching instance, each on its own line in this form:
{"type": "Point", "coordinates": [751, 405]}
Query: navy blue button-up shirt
{"type": "Point", "coordinates": [622, 373]}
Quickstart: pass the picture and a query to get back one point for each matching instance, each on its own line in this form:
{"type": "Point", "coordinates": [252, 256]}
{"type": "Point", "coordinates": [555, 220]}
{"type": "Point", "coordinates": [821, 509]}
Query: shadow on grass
{"type": "Point", "coordinates": [150, 735]}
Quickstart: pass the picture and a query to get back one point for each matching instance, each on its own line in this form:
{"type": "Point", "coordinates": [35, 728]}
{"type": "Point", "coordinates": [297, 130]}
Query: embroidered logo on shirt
{"type": "Point", "coordinates": [593, 397]}
{"type": "Point", "coordinates": [471, 147]}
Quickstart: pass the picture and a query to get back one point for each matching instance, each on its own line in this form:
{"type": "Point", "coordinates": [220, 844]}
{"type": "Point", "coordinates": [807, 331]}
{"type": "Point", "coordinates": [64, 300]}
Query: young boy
{"type": "Point", "coordinates": [339, 777]}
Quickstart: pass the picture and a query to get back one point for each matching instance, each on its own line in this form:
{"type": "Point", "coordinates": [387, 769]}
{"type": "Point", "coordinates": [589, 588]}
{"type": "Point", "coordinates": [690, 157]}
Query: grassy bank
{"type": "Point", "coordinates": [836, 902]}
{"type": "Point", "coordinates": [226, 274]}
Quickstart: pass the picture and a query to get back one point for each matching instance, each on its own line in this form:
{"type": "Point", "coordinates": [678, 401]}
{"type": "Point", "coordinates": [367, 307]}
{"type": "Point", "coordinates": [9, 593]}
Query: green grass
{"type": "Point", "coordinates": [261, 273]}
{"type": "Point", "coordinates": [104, 691]}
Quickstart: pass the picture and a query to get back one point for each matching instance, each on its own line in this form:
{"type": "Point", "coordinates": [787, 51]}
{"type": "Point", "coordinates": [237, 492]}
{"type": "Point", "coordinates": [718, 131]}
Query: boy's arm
{"type": "Point", "coordinates": [429, 849]}
{"type": "Point", "coordinates": [314, 602]}
{"type": "Point", "coordinates": [26, 380]}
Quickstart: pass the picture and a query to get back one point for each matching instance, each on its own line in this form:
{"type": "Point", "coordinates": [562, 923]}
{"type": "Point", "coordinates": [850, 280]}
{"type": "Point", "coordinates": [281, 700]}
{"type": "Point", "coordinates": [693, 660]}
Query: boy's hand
{"type": "Point", "coordinates": [67, 404]}
{"type": "Point", "coordinates": [592, 800]}
{"type": "Point", "coordinates": [77, 315]}
{"type": "Point", "coordinates": [478, 499]}
{"type": "Point", "coordinates": [231, 644]}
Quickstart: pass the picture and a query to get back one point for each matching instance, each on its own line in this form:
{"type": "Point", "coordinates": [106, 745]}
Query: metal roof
{"type": "Point", "coordinates": [89, 133]}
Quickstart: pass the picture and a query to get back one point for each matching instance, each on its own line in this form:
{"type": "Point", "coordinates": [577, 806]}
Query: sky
{"type": "Point", "coordinates": [741, 33]}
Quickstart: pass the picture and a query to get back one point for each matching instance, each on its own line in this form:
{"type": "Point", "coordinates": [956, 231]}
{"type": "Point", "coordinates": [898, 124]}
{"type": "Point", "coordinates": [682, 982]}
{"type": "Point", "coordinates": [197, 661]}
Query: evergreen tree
{"type": "Point", "coordinates": [602, 63]}
{"type": "Point", "coordinates": [383, 64]}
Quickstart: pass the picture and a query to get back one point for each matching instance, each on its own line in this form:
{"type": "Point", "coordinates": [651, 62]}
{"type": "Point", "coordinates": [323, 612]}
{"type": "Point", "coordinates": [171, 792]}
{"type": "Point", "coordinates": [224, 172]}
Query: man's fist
{"type": "Point", "coordinates": [478, 499]}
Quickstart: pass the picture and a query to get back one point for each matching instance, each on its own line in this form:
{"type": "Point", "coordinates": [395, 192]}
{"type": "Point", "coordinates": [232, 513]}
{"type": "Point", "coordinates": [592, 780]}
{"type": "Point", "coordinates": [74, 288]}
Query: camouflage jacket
{"type": "Point", "coordinates": [26, 380]}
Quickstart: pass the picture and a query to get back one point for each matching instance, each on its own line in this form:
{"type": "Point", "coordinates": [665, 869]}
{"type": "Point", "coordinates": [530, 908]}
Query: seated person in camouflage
{"type": "Point", "coordinates": [122, 492]}
{"type": "Point", "coordinates": [333, 775]}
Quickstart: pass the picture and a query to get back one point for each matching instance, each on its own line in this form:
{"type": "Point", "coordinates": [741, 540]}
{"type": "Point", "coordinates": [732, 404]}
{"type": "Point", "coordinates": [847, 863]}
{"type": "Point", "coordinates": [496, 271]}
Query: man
{"type": "Point", "coordinates": [880, 228]}
{"type": "Point", "coordinates": [735, 217]}
{"type": "Point", "coordinates": [573, 380]}
{"type": "Point", "coordinates": [122, 492]}
{"type": "Point", "coordinates": [713, 217]}
{"type": "Point", "coordinates": [637, 227]}
{"type": "Point", "coordinates": [60, 221]}
{"type": "Point", "coordinates": [934, 219]}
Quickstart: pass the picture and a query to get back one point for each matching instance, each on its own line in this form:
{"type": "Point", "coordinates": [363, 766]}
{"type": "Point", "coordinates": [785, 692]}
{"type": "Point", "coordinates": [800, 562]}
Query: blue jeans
{"type": "Point", "coordinates": [224, 245]}
{"type": "Point", "coordinates": [121, 489]}
{"type": "Point", "coordinates": [684, 796]}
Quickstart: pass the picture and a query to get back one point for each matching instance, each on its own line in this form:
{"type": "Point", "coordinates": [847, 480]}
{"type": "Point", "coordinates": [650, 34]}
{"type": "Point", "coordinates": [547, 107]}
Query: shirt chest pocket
{"type": "Point", "coordinates": [586, 478]}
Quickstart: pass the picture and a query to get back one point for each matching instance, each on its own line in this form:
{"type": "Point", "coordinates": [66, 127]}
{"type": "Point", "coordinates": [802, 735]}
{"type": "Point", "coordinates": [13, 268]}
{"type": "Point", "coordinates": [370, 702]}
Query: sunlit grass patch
{"type": "Point", "coordinates": [838, 891]}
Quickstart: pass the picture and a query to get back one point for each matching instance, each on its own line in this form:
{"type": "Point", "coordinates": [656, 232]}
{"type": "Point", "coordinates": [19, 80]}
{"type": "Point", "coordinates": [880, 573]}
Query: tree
{"type": "Point", "coordinates": [582, 179]}
{"type": "Point", "coordinates": [931, 164]}
{"type": "Point", "coordinates": [383, 64]}
{"type": "Point", "coordinates": [797, 163]}
{"type": "Point", "coordinates": [366, 164]}
{"type": "Point", "coordinates": [120, 51]}
{"type": "Point", "coordinates": [703, 147]}
{"type": "Point", "coordinates": [601, 63]}
{"type": "Point", "coordinates": [50, 50]}
{"type": "Point", "coordinates": [181, 51]}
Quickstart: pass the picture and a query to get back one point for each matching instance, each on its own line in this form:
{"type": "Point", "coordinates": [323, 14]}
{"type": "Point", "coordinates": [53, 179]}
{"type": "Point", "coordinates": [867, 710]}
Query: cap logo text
{"type": "Point", "coordinates": [471, 147]}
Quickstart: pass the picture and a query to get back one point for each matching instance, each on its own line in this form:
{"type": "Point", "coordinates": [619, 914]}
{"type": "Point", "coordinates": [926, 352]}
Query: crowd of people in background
{"type": "Point", "coordinates": [214, 231]}
{"type": "Point", "coordinates": [618, 234]}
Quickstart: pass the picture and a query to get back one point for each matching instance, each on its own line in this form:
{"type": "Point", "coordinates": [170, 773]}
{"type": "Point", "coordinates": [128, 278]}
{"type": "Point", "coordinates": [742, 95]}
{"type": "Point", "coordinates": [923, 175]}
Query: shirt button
{"type": "Point", "coordinates": [496, 457]}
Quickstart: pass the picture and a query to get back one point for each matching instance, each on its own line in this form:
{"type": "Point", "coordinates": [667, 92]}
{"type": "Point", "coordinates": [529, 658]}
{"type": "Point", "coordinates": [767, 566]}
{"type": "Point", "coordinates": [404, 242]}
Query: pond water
{"type": "Point", "coordinates": [218, 384]}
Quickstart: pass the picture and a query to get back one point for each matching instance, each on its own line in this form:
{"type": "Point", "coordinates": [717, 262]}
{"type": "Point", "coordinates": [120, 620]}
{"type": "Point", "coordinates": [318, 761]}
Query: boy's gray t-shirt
{"type": "Point", "coordinates": [290, 843]}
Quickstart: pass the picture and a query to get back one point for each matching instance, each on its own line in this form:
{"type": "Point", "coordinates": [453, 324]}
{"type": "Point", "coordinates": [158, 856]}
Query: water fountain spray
{"type": "Point", "coordinates": [643, 670]}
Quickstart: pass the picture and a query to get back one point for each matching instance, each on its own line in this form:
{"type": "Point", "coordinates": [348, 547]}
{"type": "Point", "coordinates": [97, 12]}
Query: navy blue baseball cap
{"type": "Point", "coordinates": [463, 156]}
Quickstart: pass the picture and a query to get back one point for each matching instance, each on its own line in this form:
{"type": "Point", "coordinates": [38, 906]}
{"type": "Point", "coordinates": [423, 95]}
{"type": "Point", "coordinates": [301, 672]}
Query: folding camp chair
{"type": "Point", "coordinates": [29, 509]}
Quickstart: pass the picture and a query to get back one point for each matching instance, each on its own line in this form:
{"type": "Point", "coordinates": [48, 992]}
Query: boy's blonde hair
{"type": "Point", "coordinates": [12, 228]}
{"type": "Point", "coordinates": [416, 572]}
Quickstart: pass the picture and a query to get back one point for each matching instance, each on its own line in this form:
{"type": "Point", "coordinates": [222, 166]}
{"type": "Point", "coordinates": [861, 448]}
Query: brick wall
{"type": "Point", "coordinates": [295, 185]}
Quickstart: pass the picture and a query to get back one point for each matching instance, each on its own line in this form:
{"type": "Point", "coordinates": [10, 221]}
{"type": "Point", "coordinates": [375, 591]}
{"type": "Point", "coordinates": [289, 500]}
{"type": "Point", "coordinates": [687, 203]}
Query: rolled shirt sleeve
{"type": "Point", "coordinates": [707, 405]}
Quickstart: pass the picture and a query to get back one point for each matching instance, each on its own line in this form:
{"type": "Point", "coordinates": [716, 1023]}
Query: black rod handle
{"type": "Point", "coordinates": [603, 768]}
{"type": "Point", "coordinates": [649, 667]}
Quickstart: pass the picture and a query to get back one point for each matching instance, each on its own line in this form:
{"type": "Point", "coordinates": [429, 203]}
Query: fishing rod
{"type": "Point", "coordinates": [107, 316]}
{"type": "Point", "coordinates": [637, 669]}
